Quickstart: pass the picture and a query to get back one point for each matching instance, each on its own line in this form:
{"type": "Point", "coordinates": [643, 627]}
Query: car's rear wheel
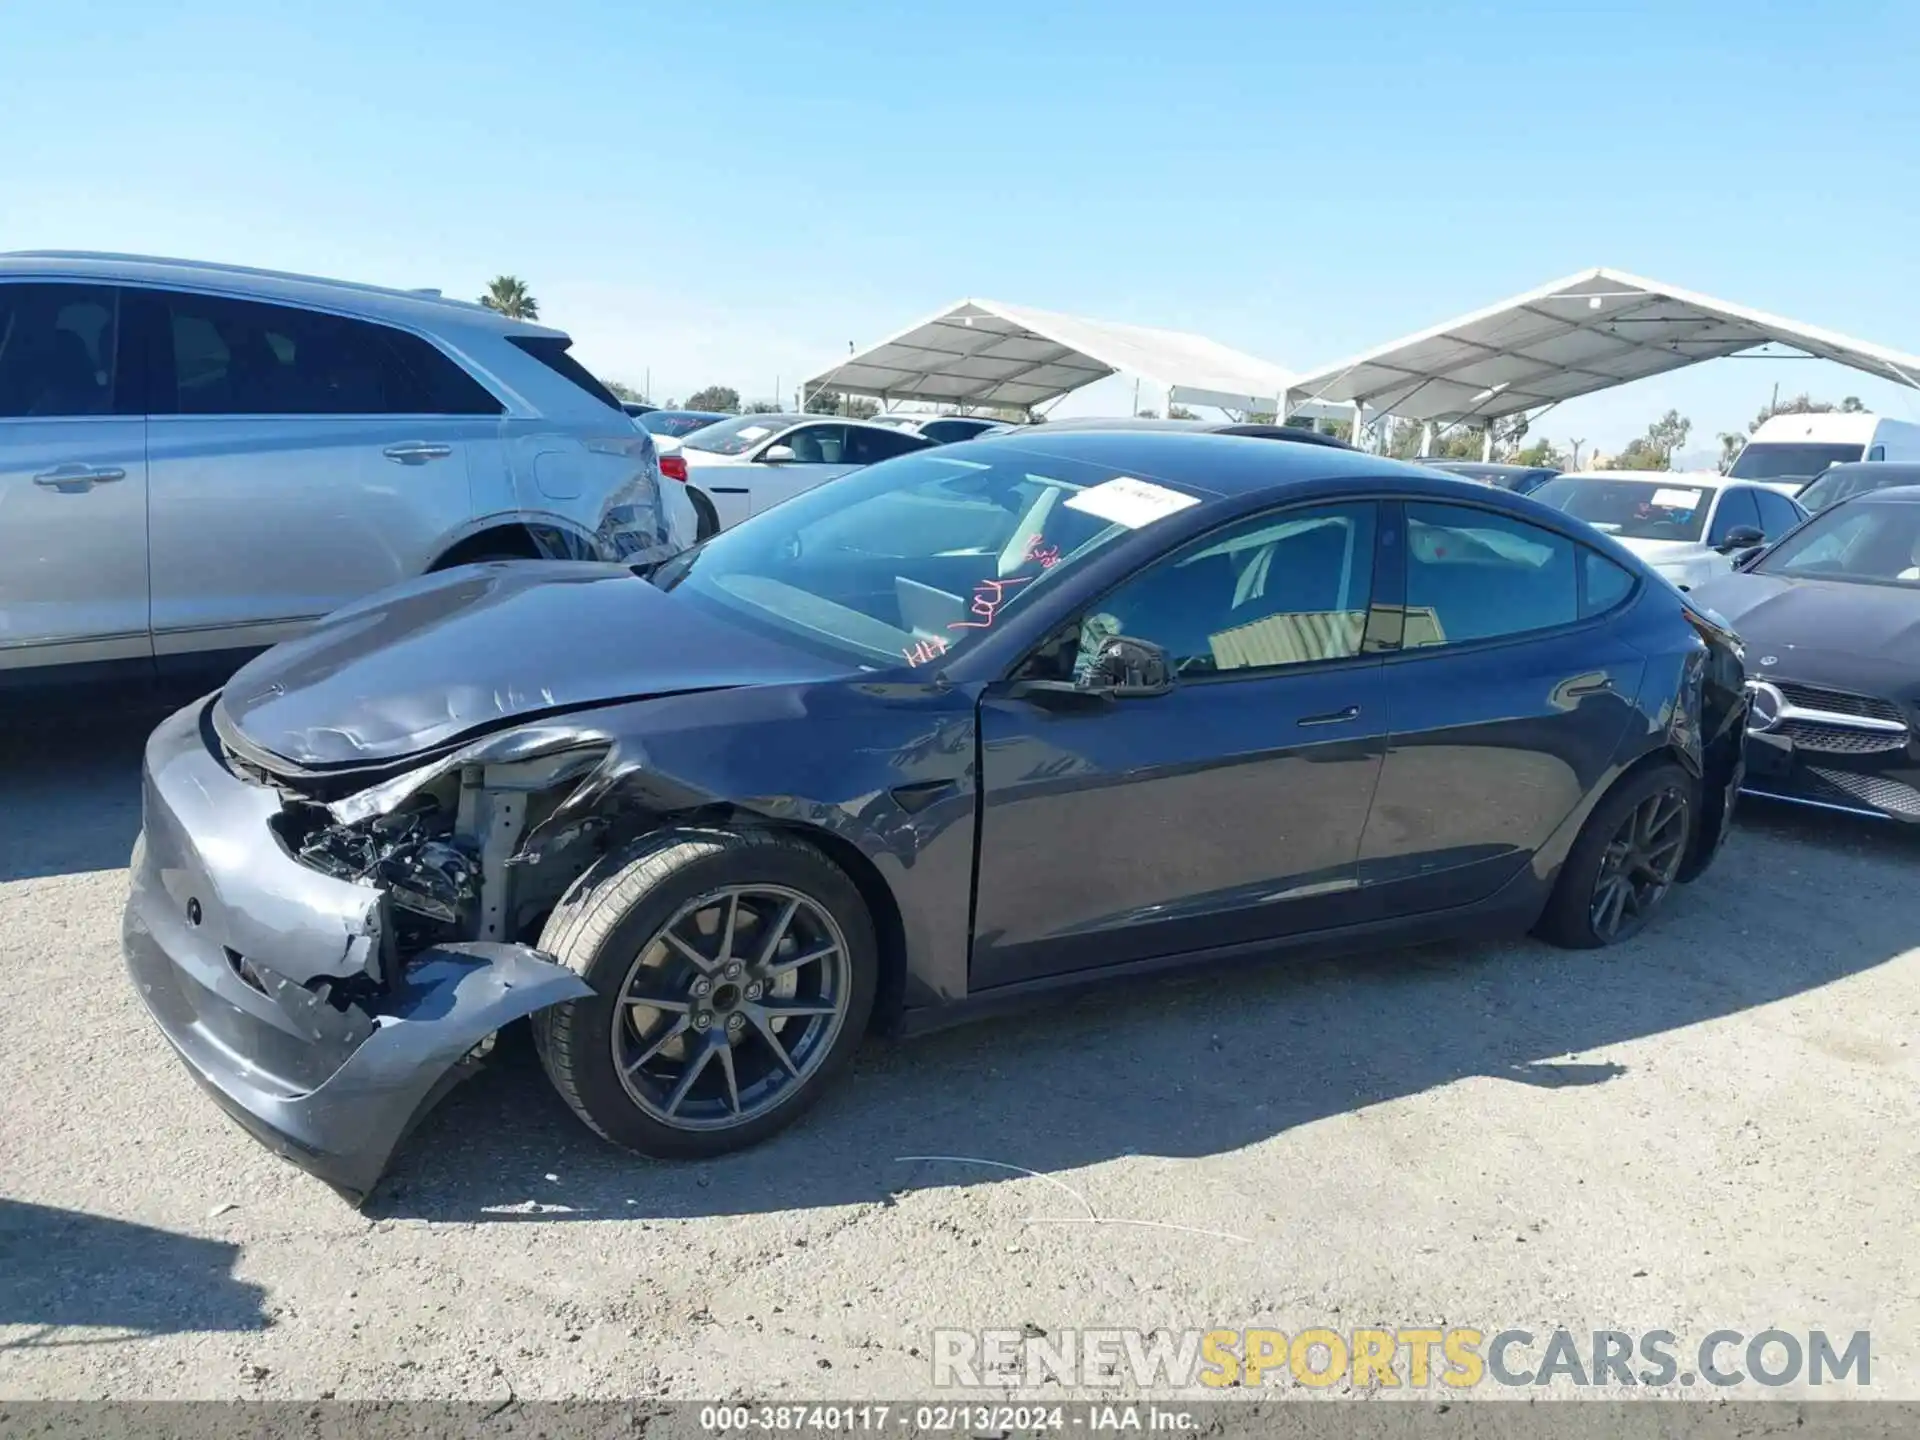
{"type": "Point", "coordinates": [733, 971]}
{"type": "Point", "coordinates": [1624, 865]}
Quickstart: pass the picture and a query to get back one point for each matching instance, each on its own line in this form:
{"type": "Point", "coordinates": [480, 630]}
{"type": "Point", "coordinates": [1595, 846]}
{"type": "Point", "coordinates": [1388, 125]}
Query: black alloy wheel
{"type": "Point", "coordinates": [731, 1006]}
{"type": "Point", "coordinates": [1638, 866]}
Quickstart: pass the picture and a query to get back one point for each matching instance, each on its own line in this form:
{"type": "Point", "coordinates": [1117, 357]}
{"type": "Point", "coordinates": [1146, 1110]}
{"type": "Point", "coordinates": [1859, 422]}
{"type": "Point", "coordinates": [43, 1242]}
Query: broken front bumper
{"type": "Point", "coordinates": [241, 955]}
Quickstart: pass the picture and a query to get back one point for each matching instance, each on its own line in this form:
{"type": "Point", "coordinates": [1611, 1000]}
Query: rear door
{"type": "Point", "coordinates": [73, 479]}
{"type": "Point", "coordinates": [1506, 702]}
{"type": "Point", "coordinates": [1227, 811]}
{"type": "Point", "coordinates": [299, 460]}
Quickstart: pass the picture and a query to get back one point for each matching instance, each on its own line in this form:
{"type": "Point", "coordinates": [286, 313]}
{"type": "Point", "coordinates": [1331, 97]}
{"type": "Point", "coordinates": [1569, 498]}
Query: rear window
{"type": "Point", "coordinates": [551, 351]}
{"type": "Point", "coordinates": [247, 357]}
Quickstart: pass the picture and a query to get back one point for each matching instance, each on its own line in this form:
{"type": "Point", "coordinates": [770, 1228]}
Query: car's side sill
{"type": "Point", "coordinates": [1512, 910]}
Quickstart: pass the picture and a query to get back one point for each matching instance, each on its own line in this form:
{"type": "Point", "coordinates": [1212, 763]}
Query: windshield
{"type": "Point", "coordinates": [1868, 542]}
{"type": "Point", "coordinates": [676, 423]}
{"type": "Point", "coordinates": [910, 560]}
{"type": "Point", "coordinates": [1657, 508]}
{"type": "Point", "coordinates": [1838, 485]}
{"type": "Point", "coordinates": [1769, 461]}
{"type": "Point", "coordinates": [739, 433]}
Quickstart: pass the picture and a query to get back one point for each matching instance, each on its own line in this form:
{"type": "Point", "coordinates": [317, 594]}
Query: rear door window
{"type": "Point", "coordinates": [58, 350]}
{"type": "Point", "coordinates": [217, 356]}
{"type": "Point", "coordinates": [869, 446]}
{"type": "Point", "coordinates": [1476, 575]}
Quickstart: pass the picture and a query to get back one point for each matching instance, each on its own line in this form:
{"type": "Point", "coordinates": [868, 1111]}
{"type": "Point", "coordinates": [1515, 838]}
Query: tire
{"type": "Point", "coordinates": [608, 929]}
{"type": "Point", "coordinates": [1574, 917]}
{"type": "Point", "coordinates": [709, 518]}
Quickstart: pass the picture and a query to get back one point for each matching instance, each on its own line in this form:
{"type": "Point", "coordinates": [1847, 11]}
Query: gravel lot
{"type": "Point", "coordinates": [1711, 1127]}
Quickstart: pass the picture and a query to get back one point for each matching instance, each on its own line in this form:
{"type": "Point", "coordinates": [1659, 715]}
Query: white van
{"type": "Point", "coordinates": [1797, 448]}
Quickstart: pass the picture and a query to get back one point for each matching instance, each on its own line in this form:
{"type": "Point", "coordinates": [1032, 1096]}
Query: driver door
{"type": "Point", "coordinates": [806, 456]}
{"type": "Point", "coordinates": [1227, 811]}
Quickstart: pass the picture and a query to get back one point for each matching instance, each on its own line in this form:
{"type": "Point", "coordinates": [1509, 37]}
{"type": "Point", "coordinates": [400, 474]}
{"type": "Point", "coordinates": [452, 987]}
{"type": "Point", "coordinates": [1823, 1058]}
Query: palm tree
{"type": "Point", "coordinates": [509, 295]}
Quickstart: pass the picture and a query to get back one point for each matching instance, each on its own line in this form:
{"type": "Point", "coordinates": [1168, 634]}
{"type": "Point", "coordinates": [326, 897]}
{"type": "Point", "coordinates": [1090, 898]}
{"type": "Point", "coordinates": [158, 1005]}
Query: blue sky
{"type": "Point", "coordinates": [730, 192]}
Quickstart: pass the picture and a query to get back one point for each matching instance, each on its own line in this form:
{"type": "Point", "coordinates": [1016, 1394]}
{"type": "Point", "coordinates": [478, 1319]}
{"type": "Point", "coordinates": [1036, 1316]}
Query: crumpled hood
{"type": "Point", "coordinates": [1823, 631]}
{"type": "Point", "coordinates": [481, 647]}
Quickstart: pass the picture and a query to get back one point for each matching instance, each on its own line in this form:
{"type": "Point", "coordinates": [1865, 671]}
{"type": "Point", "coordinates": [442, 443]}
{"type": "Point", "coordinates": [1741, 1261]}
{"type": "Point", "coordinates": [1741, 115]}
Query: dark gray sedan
{"type": "Point", "coordinates": [963, 727]}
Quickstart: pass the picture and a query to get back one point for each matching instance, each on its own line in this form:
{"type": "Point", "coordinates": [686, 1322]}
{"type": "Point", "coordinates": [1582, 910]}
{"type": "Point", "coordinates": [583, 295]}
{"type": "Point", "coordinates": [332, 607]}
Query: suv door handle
{"type": "Point", "coordinates": [1332, 717]}
{"type": "Point", "coordinates": [416, 452]}
{"type": "Point", "coordinates": [77, 478]}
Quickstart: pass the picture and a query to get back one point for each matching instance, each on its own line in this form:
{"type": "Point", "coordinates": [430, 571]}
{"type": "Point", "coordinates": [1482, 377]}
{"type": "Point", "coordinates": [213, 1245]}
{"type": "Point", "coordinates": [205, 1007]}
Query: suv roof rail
{"type": "Point", "coordinates": [221, 268]}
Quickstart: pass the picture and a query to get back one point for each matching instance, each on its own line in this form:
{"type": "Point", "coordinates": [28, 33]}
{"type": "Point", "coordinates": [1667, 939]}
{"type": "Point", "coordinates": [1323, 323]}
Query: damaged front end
{"type": "Point", "coordinates": [329, 953]}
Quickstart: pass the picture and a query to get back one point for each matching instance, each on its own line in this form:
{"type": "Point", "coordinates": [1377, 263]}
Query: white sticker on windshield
{"type": "Point", "coordinates": [1677, 499]}
{"type": "Point", "coordinates": [754, 432]}
{"type": "Point", "coordinates": [1129, 502]}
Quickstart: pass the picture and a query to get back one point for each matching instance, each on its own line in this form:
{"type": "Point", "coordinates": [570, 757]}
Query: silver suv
{"type": "Point", "coordinates": [199, 460]}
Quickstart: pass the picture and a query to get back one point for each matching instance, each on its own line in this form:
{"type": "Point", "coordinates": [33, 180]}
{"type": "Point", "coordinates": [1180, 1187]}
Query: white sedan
{"type": "Point", "coordinates": [1688, 525]}
{"type": "Point", "coordinates": [745, 463]}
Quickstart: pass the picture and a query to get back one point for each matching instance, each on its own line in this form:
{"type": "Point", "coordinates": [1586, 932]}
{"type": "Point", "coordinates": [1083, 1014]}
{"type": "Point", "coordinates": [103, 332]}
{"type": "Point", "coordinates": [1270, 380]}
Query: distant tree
{"type": "Point", "coordinates": [1180, 412]}
{"type": "Point", "coordinates": [853, 407]}
{"type": "Point", "coordinates": [624, 391]}
{"type": "Point", "coordinates": [1146, 414]}
{"type": "Point", "coordinates": [1805, 404]}
{"type": "Point", "coordinates": [1541, 452]}
{"type": "Point", "coordinates": [509, 295]}
{"type": "Point", "coordinates": [1730, 447]}
{"type": "Point", "coordinates": [1654, 450]}
{"type": "Point", "coordinates": [715, 397]}
{"type": "Point", "coordinates": [761, 407]}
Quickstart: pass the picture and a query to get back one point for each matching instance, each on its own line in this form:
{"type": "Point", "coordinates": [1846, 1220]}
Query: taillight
{"type": "Point", "coordinates": [674, 467]}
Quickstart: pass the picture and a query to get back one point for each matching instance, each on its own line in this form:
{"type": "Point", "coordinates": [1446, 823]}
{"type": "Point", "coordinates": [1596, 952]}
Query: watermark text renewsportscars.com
{"type": "Point", "coordinates": [1407, 1357]}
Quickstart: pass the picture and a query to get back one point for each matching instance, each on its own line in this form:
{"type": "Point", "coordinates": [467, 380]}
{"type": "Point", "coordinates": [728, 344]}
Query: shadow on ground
{"type": "Point", "coordinates": [70, 782]}
{"type": "Point", "coordinates": [62, 1268]}
{"type": "Point", "coordinates": [1198, 1066]}
{"type": "Point", "coordinates": [1193, 1067]}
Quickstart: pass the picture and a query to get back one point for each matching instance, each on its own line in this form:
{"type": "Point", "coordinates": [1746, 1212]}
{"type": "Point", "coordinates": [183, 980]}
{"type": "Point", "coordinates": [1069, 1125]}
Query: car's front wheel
{"type": "Point", "coordinates": [733, 974]}
{"type": "Point", "coordinates": [1625, 862]}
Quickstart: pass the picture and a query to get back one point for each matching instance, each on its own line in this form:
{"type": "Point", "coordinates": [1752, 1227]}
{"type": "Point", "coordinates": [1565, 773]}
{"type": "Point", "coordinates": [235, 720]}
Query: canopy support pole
{"type": "Point", "coordinates": [1486, 442]}
{"type": "Point", "coordinates": [1426, 440]}
{"type": "Point", "coordinates": [1359, 436]}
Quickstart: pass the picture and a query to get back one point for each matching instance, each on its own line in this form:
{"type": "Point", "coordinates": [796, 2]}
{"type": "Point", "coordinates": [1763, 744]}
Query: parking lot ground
{"type": "Point", "coordinates": [1712, 1127]}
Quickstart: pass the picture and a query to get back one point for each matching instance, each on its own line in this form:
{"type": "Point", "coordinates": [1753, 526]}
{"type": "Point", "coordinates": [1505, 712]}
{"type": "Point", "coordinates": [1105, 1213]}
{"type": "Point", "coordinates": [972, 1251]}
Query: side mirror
{"type": "Point", "coordinates": [1130, 669]}
{"type": "Point", "coordinates": [1125, 669]}
{"type": "Point", "coordinates": [1741, 537]}
{"type": "Point", "coordinates": [777, 455]}
{"type": "Point", "coordinates": [1746, 557]}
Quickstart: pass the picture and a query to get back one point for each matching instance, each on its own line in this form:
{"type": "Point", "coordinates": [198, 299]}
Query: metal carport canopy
{"type": "Point", "coordinates": [1575, 336]}
{"type": "Point", "coordinates": [982, 352]}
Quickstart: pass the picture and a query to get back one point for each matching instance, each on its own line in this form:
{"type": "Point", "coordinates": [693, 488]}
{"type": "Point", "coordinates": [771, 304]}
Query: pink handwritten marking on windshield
{"type": "Point", "coordinates": [1047, 555]}
{"type": "Point", "coordinates": [931, 648]}
{"type": "Point", "coordinates": [988, 597]}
